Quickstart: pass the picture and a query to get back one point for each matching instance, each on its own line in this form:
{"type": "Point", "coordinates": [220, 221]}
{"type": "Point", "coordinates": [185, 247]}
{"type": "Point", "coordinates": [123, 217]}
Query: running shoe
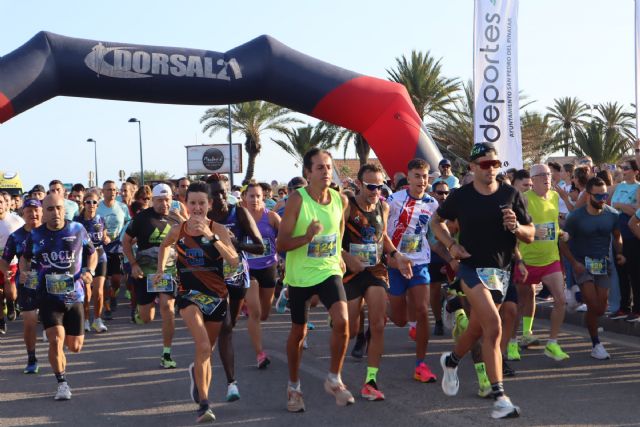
{"type": "Point", "coordinates": [87, 326]}
{"type": "Point", "coordinates": [581, 308]}
{"type": "Point", "coordinates": [633, 318]}
{"type": "Point", "coordinates": [64, 391]}
{"type": "Point", "coordinates": [11, 311]}
{"type": "Point", "coordinates": [305, 343]}
{"type": "Point", "coordinates": [620, 314]}
{"type": "Point", "coordinates": [233, 393]}
{"type": "Point", "coordinates": [450, 383]}
{"type": "Point", "coordinates": [528, 339]}
{"type": "Point", "coordinates": [423, 374]}
{"type": "Point", "coordinates": [507, 371]}
{"type": "Point", "coordinates": [281, 304]}
{"type": "Point", "coordinates": [461, 323]}
{"type": "Point", "coordinates": [99, 326]}
{"type": "Point", "coordinates": [193, 388]}
{"type": "Point", "coordinates": [3, 326]}
{"type": "Point", "coordinates": [554, 351]}
{"type": "Point", "coordinates": [598, 352]}
{"type": "Point", "coordinates": [359, 346]}
{"type": "Point", "coordinates": [44, 336]}
{"type": "Point", "coordinates": [167, 362]}
{"type": "Point", "coordinates": [263, 360]}
{"type": "Point", "coordinates": [513, 351]}
{"type": "Point", "coordinates": [370, 393]}
{"type": "Point", "coordinates": [484, 390]}
{"type": "Point", "coordinates": [412, 333]}
{"type": "Point", "coordinates": [205, 415]}
{"type": "Point", "coordinates": [311, 326]}
{"type": "Point", "coordinates": [503, 408]}
{"type": "Point", "coordinates": [340, 392]}
{"type": "Point", "coordinates": [295, 403]}
{"type": "Point", "coordinates": [438, 329]}
{"type": "Point", "coordinates": [31, 368]}
{"type": "Point", "coordinates": [108, 315]}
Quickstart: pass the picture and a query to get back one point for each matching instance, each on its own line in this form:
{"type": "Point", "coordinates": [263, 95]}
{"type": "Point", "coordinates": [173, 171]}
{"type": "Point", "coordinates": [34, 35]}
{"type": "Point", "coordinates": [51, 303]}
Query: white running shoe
{"type": "Point", "coordinates": [503, 408]}
{"type": "Point", "coordinates": [233, 393]}
{"type": "Point", "coordinates": [64, 391]}
{"type": "Point", "coordinates": [450, 383]}
{"type": "Point", "coordinates": [581, 308]}
{"type": "Point", "coordinates": [87, 326]}
{"type": "Point", "coordinates": [99, 326]}
{"type": "Point", "coordinates": [44, 336]}
{"type": "Point", "coordinates": [599, 352]}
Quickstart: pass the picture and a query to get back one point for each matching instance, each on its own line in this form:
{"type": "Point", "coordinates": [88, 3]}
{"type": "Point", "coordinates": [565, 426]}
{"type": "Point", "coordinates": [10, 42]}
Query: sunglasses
{"type": "Point", "coordinates": [600, 197]}
{"type": "Point", "coordinates": [546, 174]}
{"type": "Point", "coordinates": [373, 187]}
{"type": "Point", "coordinates": [486, 164]}
{"type": "Point", "coordinates": [625, 167]}
{"type": "Point", "coordinates": [445, 166]}
{"type": "Point", "coordinates": [90, 202]}
{"type": "Point", "coordinates": [442, 193]}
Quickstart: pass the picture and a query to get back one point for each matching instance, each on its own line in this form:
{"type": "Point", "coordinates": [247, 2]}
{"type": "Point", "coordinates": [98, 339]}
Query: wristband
{"type": "Point", "coordinates": [451, 245]}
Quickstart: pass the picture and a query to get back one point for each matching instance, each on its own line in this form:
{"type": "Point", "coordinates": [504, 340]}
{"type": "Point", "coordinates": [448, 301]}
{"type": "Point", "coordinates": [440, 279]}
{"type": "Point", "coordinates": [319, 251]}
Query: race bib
{"type": "Point", "coordinates": [163, 285]}
{"type": "Point", "coordinates": [32, 280]}
{"type": "Point", "coordinates": [206, 303]}
{"type": "Point", "coordinates": [59, 284]}
{"type": "Point", "coordinates": [366, 253]}
{"type": "Point", "coordinates": [596, 266]}
{"type": "Point", "coordinates": [323, 246]}
{"type": "Point", "coordinates": [268, 249]}
{"type": "Point", "coordinates": [233, 276]}
{"type": "Point", "coordinates": [410, 243]}
{"type": "Point", "coordinates": [494, 279]}
{"type": "Point", "coordinates": [545, 231]}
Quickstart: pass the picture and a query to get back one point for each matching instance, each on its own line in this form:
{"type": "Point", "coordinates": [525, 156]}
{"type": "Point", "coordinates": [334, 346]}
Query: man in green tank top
{"type": "Point", "coordinates": [311, 234]}
{"type": "Point", "coordinates": [542, 261]}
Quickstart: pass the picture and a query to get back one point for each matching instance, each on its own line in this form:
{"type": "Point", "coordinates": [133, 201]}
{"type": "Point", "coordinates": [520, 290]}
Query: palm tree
{"type": "Point", "coordinates": [304, 138]}
{"type": "Point", "coordinates": [613, 116]}
{"type": "Point", "coordinates": [537, 137]}
{"type": "Point", "coordinates": [566, 116]}
{"type": "Point", "coordinates": [251, 119]}
{"type": "Point", "coordinates": [346, 137]}
{"type": "Point", "coordinates": [601, 144]}
{"type": "Point", "coordinates": [429, 90]}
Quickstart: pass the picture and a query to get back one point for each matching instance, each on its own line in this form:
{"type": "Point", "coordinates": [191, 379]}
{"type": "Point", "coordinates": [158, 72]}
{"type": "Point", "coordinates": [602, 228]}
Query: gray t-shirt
{"type": "Point", "coordinates": [591, 234]}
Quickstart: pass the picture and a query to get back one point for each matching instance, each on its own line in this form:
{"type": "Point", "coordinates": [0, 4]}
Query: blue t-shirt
{"type": "Point", "coordinates": [15, 247]}
{"type": "Point", "coordinates": [116, 219]}
{"type": "Point", "coordinates": [590, 235]}
{"type": "Point", "coordinates": [625, 193]}
{"type": "Point", "coordinates": [59, 252]}
{"type": "Point", "coordinates": [95, 229]}
{"type": "Point", "coordinates": [70, 209]}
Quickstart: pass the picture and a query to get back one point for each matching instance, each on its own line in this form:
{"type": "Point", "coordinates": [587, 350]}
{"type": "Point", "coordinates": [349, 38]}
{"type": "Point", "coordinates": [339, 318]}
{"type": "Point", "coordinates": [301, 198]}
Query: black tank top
{"type": "Point", "coordinates": [199, 264]}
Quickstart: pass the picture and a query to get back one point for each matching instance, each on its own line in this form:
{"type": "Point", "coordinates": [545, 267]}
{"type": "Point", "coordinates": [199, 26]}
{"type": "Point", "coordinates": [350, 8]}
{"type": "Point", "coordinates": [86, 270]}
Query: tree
{"type": "Point", "coordinates": [566, 116]}
{"type": "Point", "coordinates": [537, 137]}
{"type": "Point", "coordinates": [152, 175]}
{"type": "Point", "coordinates": [304, 138]}
{"type": "Point", "coordinates": [346, 137]}
{"type": "Point", "coordinates": [603, 145]}
{"type": "Point", "coordinates": [430, 91]}
{"type": "Point", "coordinates": [613, 117]}
{"type": "Point", "coordinates": [251, 119]}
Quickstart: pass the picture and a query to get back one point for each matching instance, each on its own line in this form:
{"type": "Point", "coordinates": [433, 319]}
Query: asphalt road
{"type": "Point", "coordinates": [116, 380]}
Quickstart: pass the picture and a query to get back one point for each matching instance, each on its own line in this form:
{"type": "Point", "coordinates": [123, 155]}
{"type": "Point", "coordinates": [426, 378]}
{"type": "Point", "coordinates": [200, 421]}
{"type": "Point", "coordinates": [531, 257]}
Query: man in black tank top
{"type": "Point", "coordinates": [364, 245]}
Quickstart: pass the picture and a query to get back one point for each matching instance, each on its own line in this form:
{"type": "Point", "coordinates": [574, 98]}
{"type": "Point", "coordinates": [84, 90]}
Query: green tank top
{"type": "Point", "coordinates": [542, 251]}
{"type": "Point", "coordinates": [313, 263]}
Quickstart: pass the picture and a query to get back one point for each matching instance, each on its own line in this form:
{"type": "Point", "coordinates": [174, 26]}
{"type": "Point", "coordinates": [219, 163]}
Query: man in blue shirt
{"type": "Point", "coordinates": [445, 175]}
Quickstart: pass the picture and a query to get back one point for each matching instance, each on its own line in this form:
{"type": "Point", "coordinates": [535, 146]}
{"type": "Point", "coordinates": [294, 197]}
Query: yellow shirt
{"type": "Point", "coordinates": [543, 250]}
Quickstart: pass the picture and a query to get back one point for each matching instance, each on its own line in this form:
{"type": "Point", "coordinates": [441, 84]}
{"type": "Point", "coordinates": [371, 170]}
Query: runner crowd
{"type": "Point", "coordinates": [474, 251]}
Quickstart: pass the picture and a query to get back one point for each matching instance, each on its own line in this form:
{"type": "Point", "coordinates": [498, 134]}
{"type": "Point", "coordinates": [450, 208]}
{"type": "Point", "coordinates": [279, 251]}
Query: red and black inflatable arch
{"type": "Point", "coordinates": [49, 65]}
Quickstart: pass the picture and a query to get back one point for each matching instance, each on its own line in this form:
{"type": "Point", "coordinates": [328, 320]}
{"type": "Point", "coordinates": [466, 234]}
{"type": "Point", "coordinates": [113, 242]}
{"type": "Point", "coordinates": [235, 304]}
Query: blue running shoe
{"type": "Point", "coordinates": [31, 368]}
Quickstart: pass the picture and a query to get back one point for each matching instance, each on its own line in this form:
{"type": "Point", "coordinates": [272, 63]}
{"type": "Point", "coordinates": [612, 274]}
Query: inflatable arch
{"type": "Point", "coordinates": [49, 65]}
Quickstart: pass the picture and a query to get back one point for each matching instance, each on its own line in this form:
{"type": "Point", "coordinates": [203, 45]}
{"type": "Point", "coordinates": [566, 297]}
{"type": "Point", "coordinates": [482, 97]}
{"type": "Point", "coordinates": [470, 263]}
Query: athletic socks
{"type": "Point", "coordinates": [334, 378]}
{"type": "Point", "coordinates": [595, 340]}
{"type": "Point", "coordinates": [452, 360]}
{"type": "Point", "coordinates": [166, 350]}
{"type": "Point", "coordinates": [497, 390]}
{"type": "Point", "coordinates": [294, 386]}
{"type": "Point", "coordinates": [60, 377]}
{"type": "Point", "coordinates": [481, 372]}
{"type": "Point", "coordinates": [31, 356]}
{"type": "Point", "coordinates": [527, 324]}
{"type": "Point", "coordinates": [372, 375]}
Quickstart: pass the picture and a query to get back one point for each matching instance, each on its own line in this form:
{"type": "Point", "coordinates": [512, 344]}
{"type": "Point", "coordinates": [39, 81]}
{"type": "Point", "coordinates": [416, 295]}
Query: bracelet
{"type": "Point", "coordinates": [451, 245]}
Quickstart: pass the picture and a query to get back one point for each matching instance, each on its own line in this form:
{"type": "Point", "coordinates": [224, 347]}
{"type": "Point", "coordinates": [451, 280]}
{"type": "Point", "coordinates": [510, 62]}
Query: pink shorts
{"type": "Point", "coordinates": [537, 273]}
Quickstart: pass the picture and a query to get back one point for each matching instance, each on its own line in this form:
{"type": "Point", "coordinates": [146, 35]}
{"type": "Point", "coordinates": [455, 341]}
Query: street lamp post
{"type": "Point", "coordinates": [134, 120]}
{"type": "Point", "coordinates": [95, 155]}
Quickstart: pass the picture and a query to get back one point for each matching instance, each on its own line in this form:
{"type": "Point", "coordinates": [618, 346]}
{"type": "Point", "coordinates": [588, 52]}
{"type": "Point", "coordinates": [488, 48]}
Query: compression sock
{"type": "Point", "coordinates": [527, 324]}
{"type": "Point", "coordinates": [481, 372]}
{"type": "Point", "coordinates": [372, 375]}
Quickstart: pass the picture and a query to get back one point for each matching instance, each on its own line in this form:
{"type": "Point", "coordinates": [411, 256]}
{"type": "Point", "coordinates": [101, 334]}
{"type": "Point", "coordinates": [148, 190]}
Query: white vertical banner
{"type": "Point", "coordinates": [495, 79]}
{"type": "Point", "coordinates": [637, 46]}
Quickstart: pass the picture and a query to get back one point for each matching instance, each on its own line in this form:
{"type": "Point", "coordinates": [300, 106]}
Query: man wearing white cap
{"type": "Point", "coordinates": [149, 228]}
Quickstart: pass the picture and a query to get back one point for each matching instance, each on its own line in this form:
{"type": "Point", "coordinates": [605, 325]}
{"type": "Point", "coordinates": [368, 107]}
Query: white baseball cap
{"type": "Point", "coordinates": [162, 190]}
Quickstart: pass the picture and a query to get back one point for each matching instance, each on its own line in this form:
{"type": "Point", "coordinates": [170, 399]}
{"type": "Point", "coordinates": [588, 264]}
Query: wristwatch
{"type": "Point", "coordinates": [513, 230]}
{"type": "Point", "coordinates": [215, 238]}
{"type": "Point", "coordinates": [91, 272]}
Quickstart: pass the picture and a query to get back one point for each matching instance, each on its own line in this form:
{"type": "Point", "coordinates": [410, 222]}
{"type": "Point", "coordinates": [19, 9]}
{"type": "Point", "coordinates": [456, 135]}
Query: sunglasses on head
{"type": "Point", "coordinates": [600, 197]}
{"type": "Point", "coordinates": [373, 187]}
{"type": "Point", "coordinates": [442, 193]}
{"type": "Point", "coordinates": [90, 202]}
{"type": "Point", "coordinates": [486, 164]}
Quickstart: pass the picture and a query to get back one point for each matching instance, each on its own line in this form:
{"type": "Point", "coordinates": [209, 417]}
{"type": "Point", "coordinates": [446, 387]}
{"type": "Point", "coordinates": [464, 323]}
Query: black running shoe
{"type": "Point", "coordinates": [11, 311]}
{"type": "Point", "coordinates": [507, 370]}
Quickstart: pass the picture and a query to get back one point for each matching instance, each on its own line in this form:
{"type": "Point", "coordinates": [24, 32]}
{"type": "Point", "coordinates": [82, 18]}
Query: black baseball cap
{"type": "Point", "coordinates": [482, 149]}
{"type": "Point", "coordinates": [444, 162]}
{"type": "Point", "coordinates": [38, 188]}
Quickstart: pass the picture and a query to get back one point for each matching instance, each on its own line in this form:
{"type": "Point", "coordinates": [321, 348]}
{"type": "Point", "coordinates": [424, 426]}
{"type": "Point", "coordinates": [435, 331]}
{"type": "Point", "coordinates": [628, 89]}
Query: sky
{"type": "Point", "coordinates": [580, 48]}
